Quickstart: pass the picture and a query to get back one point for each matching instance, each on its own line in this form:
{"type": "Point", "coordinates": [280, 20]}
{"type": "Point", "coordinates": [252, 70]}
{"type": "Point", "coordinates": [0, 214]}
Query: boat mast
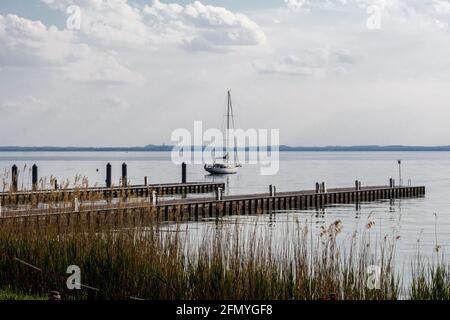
{"type": "Point", "coordinates": [234, 127]}
{"type": "Point", "coordinates": [228, 126]}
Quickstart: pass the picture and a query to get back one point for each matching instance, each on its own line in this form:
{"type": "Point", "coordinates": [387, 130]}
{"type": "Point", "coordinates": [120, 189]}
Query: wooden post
{"type": "Point", "coordinates": [124, 174]}
{"type": "Point", "coordinates": [56, 184]}
{"type": "Point", "coordinates": [356, 185]}
{"type": "Point", "coordinates": [76, 204]}
{"type": "Point", "coordinates": [145, 181]}
{"type": "Point", "coordinates": [34, 179]}
{"type": "Point", "coordinates": [154, 198]}
{"type": "Point", "coordinates": [108, 175]}
{"type": "Point", "coordinates": [219, 194]}
{"type": "Point", "coordinates": [14, 178]}
{"type": "Point", "coordinates": [324, 188]}
{"type": "Point", "coordinates": [317, 187]}
{"type": "Point", "coordinates": [183, 172]}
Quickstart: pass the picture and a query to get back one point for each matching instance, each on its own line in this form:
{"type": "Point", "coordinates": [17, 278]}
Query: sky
{"type": "Point", "coordinates": [129, 73]}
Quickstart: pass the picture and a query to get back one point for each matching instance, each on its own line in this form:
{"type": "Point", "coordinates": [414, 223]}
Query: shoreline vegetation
{"type": "Point", "coordinates": [228, 261]}
{"type": "Point", "coordinates": [152, 259]}
{"type": "Point", "coordinates": [282, 148]}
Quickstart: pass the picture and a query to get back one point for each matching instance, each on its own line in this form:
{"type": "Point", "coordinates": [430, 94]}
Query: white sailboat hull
{"type": "Point", "coordinates": [215, 169]}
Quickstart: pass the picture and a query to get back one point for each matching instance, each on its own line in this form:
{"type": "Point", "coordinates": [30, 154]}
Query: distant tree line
{"type": "Point", "coordinates": [168, 148]}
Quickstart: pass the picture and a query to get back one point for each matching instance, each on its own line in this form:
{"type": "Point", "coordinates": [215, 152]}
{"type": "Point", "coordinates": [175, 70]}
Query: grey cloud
{"type": "Point", "coordinates": [319, 62]}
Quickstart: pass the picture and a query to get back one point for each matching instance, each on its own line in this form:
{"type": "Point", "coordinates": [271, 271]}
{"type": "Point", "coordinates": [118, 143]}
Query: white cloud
{"type": "Point", "coordinates": [318, 63]}
{"type": "Point", "coordinates": [25, 42]}
{"type": "Point", "coordinates": [195, 26]}
{"type": "Point", "coordinates": [47, 72]}
{"type": "Point", "coordinates": [108, 21]}
{"type": "Point", "coordinates": [24, 104]}
{"type": "Point", "coordinates": [308, 5]}
{"type": "Point", "coordinates": [297, 4]}
{"type": "Point", "coordinates": [203, 27]}
{"type": "Point", "coordinates": [100, 67]}
{"type": "Point", "coordinates": [401, 49]}
{"type": "Point", "coordinates": [30, 43]}
{"type": "Point", "coordinates": [412, 14]}
{"type": "Point", "coordinates": [441, 6]}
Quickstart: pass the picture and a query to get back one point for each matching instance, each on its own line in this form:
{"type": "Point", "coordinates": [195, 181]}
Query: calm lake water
{"type": "Point", "coordinates": [426, 219]}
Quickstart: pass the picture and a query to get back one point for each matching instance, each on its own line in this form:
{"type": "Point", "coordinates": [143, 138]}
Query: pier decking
{"type": "Point", "coordinates": [198, 208]}
{"type": "Point", "coordinates": [260, 203]}
{"type": "Point", "coordinates": [83, 194]}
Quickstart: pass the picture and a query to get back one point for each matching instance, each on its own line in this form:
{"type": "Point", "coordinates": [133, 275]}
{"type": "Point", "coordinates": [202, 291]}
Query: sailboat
{"type": "Point", "coordinates": [226, 166]}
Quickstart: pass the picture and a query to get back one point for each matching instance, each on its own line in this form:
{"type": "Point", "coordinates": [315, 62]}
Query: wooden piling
{"type": "Point", "coordinates": [34, 177]}
{"type": "Point", "coordinates": [14, 178]}
{"type": "Point", "coordinates": [108, 175]}
{"type": "Point", "coordinates": [183, 173]}
{"type": "Point", "coordinates": [124, 174]}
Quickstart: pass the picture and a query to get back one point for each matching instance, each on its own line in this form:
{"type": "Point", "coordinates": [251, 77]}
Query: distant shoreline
{"type": "Point", "coordinates": [283, 148]}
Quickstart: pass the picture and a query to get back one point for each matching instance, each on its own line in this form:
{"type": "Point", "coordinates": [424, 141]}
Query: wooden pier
{"type": "Point", "coordinates": [196, 209]}
{"type": "Point", "coordinates": [263, 203]}
{"type": "Point", "coordinates": [84, 194]}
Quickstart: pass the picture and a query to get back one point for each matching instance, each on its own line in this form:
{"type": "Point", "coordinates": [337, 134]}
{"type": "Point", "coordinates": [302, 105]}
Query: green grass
{"type": "Point", "coordinates": [8, 295]}
{"type": "Point", "coordinates": [431, 282]}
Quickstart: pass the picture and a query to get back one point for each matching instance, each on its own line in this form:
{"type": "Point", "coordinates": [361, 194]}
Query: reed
{"type": "Point", "coordinates": [430, 280]}
{"type": "Point", "coordinates": [227, 262]}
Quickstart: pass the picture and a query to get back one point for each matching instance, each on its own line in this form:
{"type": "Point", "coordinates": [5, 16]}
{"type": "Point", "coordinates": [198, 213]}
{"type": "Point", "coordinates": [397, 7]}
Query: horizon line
{"type": "Point", "coordinates": [165, 147]}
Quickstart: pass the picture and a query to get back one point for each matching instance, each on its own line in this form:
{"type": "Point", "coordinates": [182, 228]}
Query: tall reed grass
{"type": "Point", "coordinates": [149, 262]}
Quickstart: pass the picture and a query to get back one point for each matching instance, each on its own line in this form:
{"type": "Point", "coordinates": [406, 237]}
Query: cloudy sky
{"type": "Point", "coordinates": [324, 72]}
